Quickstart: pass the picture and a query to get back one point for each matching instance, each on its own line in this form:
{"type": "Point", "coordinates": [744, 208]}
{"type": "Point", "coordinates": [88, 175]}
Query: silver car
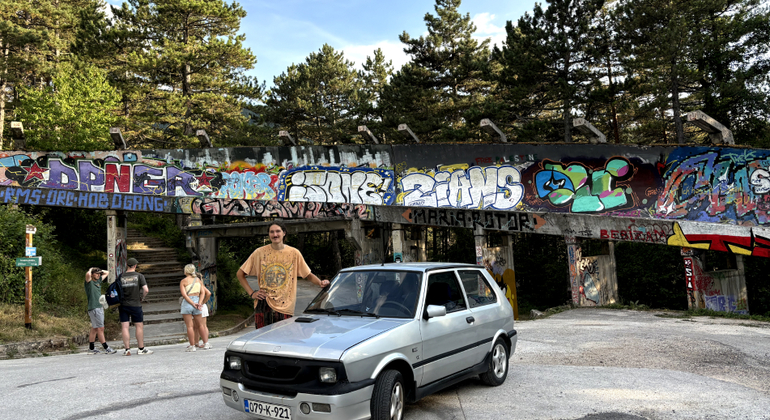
{"type": "Point", "coordinates": [378, 336]}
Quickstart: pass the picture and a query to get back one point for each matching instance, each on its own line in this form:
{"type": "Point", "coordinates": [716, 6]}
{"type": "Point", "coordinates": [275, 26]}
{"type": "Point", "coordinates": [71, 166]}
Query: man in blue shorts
{"type": "Point", "coordinates": [134, 291]}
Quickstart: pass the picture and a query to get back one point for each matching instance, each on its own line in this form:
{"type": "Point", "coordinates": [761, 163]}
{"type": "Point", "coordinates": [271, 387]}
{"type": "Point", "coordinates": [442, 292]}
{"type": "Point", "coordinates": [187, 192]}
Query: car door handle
{"type": "Point", "coordinates": [470, 320]}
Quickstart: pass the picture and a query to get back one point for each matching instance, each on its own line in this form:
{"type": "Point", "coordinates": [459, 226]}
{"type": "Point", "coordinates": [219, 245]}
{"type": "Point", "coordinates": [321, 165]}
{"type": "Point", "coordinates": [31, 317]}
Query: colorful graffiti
{"type": "Point", "coordinates": [342, 185]}
{"type": "Point", "coordinates": [723, 291]}
{"type": "Point", "coordinates": [274, 208]}
{"type": "Point", "coordinates": [503, 273]}
{"type": "Point", "coordinates": [458, 186]}
{"type": "Point", "coordinates": [716, 185]}
{"type": "Point", "coordinates": [753, 241]}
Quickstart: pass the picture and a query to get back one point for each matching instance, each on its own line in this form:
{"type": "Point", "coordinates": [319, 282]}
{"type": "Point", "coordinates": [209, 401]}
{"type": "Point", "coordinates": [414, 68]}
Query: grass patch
{"type": "Point", "coordinates": [731, 315]}
{"type": "Point", "coordinates": [44, 325]}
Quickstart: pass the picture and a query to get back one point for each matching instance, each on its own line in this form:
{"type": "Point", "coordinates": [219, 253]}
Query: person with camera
{"type": "Point", "coordinates": [94, 278]}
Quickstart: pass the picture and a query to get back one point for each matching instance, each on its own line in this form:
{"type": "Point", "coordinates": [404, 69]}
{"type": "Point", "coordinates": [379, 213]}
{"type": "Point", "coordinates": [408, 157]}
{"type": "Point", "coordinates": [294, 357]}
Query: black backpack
{"type": "Point", "coordinates": [114, 293]}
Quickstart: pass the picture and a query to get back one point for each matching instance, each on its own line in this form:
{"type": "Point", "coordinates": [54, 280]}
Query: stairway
{"type": "Point", "coordinates": [159, 264]}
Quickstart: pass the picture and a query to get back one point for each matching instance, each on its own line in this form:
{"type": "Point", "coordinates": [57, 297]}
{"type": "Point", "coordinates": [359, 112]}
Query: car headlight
{"type": "Point", "coordinates": [327, 375]}
{"type": "Point", "coordinates": [235, 363]}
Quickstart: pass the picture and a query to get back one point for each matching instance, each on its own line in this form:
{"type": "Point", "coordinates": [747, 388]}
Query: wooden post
{"type": "Point", "coordinates": [28, 289]}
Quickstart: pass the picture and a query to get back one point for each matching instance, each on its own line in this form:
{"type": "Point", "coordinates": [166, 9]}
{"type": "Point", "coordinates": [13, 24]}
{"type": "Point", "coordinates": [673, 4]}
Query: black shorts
{"type": "Point", "coordinates": [133, 312]}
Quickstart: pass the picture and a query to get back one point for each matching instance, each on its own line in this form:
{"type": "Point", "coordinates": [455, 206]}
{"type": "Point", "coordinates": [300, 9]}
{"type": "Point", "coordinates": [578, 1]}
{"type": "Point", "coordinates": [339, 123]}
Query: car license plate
{"type": "Point", "coordinates": [267, 410]}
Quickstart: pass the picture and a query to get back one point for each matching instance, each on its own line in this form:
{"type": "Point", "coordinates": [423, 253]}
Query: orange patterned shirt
{"type": "Point", "coordinates": [277, 272]}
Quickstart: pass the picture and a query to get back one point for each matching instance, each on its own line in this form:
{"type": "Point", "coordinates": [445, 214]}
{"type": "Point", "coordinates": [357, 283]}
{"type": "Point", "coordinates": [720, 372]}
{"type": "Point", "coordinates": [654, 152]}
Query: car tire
{"type": "Point", "coordinates": [498, 365]}
{"type": "Point", "coordinates": [388, 396]}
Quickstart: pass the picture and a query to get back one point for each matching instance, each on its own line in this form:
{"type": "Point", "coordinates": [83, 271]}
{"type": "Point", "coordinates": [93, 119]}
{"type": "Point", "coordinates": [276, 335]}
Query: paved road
{"type": "Point", "coordinates": [580, 364]}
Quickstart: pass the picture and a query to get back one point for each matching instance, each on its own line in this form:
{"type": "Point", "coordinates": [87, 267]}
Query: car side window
{"type": "Point", "coordinates": [443, 289]}
{"type": "Point", "coordinates": [477, 288]}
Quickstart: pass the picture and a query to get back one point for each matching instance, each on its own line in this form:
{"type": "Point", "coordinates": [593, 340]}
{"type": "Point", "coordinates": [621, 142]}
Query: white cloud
{"type": "Point", "coordinates": [486, 29]}
{"type": "Point", "coordinates": [393, 51]}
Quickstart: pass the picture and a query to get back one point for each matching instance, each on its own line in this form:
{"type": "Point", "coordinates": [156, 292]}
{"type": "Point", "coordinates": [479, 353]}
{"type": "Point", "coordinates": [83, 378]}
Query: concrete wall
{"type": "Point", "coordinates": [701, 197]}
{"type": "Point", "coordinates": [593, 279]}
{"type": "Point", "coordinates": [719, 290]}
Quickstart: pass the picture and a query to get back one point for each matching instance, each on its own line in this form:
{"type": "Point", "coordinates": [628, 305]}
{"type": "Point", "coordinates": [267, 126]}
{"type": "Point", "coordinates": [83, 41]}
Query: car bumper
{"type": "Point", "coordinates": [351, 406]}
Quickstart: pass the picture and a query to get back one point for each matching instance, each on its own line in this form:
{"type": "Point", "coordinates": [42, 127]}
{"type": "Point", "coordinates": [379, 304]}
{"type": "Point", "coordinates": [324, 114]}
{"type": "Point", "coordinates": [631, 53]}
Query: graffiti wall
{"type": "Point", "coordinates": [721, 290]}
{"type": "Point", "coordinates": [502, 270]}
{"type": "Point", "coordinates": [703, 197]}
{"type": "Point", "coordinates": [593, 279]}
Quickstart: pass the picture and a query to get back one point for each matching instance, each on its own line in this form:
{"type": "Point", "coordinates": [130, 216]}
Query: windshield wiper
{"type": "Point", "coordinates": [355, 312]}
{"type": "Point", "coordinates": [322, 311]}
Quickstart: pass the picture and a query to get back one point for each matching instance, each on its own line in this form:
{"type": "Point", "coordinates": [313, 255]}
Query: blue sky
{"type": "Point", "coordinates": [283, 32]}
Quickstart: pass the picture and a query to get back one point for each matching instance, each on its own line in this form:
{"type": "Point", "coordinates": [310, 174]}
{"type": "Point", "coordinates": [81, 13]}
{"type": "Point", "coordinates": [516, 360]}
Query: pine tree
{"type": "Point", "coordinates": [374, 78]}
{"type": "Point", "coordinates": [440, 90]}
{"type": "Point", "coordinates": [179, 65]}
{"type": "Point", "coordinates": [545, 64]}
{"type": "Point", "coordinates": [316, 99]}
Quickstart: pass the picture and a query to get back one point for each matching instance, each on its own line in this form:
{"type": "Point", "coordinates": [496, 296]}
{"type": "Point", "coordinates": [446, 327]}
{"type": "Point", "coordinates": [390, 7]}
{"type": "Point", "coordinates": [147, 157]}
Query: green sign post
{"type": "Point", "coordinates": [29, 262]}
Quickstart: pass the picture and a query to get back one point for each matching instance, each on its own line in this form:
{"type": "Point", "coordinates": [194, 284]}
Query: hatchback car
{"type": "Point", "coordinates": [378, 336]}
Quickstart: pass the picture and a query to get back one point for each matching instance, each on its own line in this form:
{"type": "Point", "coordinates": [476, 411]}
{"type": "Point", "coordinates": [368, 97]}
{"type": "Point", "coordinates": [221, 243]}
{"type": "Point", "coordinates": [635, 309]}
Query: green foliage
{"type": "Point", "coordinates": [650, 275]}
{"type": "Point", "coordinates": [542, 273]}
{"type": "Point", "coordinates": [316, 99]}
{"type": "Point", "coordinates": [51, 281]}
{"type": "Point", "coordinates": [74, 113]}
{"type": "Point", "coordinates": [757, 271]}
{"type": "Point", "coordinates": [439, 91]}
{"type": "Point", "coordinates": [545, 62]}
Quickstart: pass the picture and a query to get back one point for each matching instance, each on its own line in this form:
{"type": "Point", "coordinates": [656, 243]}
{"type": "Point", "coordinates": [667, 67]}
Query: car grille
{"type": "Point", "coordinates": [274, 370]}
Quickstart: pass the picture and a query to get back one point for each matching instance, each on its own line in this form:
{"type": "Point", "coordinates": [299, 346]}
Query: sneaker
{"type": "Point", "coordinates": [145, 351]}
{"type": "Point", "coordinates": [94, 351]}
{"type": "Point", "coordinates": [206, 346]}
{"type": "Point", "coordinates": [126, 352]}
{"type": "Point", "coordinates": [110, 350]}
{"type": "Point", "coordinates": [191, 348]}
{"type": "Point", "coordinates": [200, 343]}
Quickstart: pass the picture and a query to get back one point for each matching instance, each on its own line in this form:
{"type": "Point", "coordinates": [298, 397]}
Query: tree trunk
{"type": "Point", "coordinates": [675, 105]}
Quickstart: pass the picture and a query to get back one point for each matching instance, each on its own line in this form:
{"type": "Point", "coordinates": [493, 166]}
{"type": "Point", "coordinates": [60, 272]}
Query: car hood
{"type": "Point", "coordinates": [324, 339]}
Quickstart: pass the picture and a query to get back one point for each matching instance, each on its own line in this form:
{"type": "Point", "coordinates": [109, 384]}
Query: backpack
{"type": "Point", "coordinates": [114, 293]}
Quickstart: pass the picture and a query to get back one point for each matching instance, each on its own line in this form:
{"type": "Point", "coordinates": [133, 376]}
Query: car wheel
{"type": "Point", "coordinates": [388, 396]}
{"type": "Point", "coordinates": [498, 365]}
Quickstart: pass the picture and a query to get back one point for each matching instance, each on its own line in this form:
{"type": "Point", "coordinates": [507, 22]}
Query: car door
{"type": "Point", "coordinates": [483, 307]}
{"type": "Point", "coordinates": [447, 341]}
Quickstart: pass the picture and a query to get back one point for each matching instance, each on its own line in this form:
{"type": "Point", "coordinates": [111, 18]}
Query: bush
{"type": "Point", "coordinates": [50, 284]}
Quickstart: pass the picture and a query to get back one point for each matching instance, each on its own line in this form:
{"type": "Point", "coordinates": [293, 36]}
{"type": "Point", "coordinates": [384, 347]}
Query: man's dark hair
{"type": "Point", "coordinates": [280, 224]}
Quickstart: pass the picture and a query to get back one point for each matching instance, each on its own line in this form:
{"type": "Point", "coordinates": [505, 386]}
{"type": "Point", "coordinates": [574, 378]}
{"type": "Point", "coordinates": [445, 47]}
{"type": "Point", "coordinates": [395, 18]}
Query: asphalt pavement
{"type": "Point", "coordinates": [579, 364]}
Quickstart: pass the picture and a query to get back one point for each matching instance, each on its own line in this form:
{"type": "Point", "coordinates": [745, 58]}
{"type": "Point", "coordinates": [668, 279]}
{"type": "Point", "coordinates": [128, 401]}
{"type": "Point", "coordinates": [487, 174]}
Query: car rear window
{"type": "Point", "coordinates": [477, 288]}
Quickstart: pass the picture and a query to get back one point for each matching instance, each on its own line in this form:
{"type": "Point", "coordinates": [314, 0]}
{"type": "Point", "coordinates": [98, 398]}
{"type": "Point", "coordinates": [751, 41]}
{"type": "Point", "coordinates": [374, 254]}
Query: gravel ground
{"type": "Point", "coordinates": [729, 350]}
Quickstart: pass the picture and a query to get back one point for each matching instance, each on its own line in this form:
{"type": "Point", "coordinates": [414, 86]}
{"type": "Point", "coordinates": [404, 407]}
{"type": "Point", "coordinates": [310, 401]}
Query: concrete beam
{"type": "Point", "coordinates": [117, 138]}
{"type": "Point", "coordinates": [367, 135]}
{"type": "Point", "coordinates": [261, 228]}
{"type": "Point", "coordinates": [586, 128]}
{"type": "Point", "coordinates": [203, 138]}
{"type": "Point", "coordinates": [286, 138]}
{"type": "Point", "coordinates": [406, 131]}
{"type": "Point", "coordinates": [718, 133]}
{"type": "Point", "coordinates": [490, 128]}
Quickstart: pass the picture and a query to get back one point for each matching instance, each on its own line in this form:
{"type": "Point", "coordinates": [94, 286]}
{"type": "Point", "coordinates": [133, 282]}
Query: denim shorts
{"type": "Point", "coordinates": [188, 309]}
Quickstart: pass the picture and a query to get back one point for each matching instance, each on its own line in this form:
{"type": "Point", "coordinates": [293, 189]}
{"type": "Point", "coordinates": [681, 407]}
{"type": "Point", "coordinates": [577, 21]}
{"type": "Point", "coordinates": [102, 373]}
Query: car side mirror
{"type": "Point", "coordinates": [433, 311]}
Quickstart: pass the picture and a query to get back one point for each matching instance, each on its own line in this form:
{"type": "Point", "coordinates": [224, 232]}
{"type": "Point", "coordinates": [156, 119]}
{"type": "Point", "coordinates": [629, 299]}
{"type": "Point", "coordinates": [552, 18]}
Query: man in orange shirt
{"type": "Point", "coordinates": [277, 267]}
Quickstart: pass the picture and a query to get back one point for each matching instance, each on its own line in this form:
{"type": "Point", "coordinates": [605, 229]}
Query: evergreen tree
{"type": "Point", "coordinates": [179, 65]}
{"type": "Point", "coordinates": [438, 93]}
{"type": "Point", "coordinates": [374, 78]}
{"type": "Point", "coordinates": [316, 99]}
{"type": "Point", "coordinates": [545, 63]}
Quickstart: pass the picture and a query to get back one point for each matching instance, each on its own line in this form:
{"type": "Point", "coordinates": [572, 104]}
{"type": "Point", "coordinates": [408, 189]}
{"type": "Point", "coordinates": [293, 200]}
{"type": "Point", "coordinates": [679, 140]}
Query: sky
{"type": "Point", "coordinates": [283, 32]}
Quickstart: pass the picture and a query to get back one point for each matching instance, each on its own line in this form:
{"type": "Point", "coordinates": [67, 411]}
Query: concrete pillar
{"type": "Point", "coordinates": [400, 247]}
{"type": "Point", "coordinates": [499, 262]}
{"type": "Point", "coordinates": [573, 255]}
{"type": "Point", "coordinates": [718, 290]}
{"type": "Point", "coordinates": [207, 266]}
{"type": "Point", "coordinates": [117, 250]}
{"type": "Point", "coordinates": [367, 250]}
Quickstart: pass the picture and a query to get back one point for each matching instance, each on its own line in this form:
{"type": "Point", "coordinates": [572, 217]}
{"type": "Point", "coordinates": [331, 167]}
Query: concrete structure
{"type": "Point", "coordinates": [710, 198]}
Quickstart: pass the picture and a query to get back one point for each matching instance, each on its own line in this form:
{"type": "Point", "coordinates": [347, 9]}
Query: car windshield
{"type": "Point", "coordinates": [370, 293]}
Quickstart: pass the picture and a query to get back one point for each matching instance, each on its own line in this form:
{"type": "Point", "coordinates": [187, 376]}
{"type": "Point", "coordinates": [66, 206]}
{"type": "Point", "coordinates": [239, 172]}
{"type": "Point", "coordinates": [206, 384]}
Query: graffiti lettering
{"type": "Point", "coordinates": [357, 186]}
{"type": "Point", "coordinates": [493, 187]}
{"type": "Point", "coordinates": [584, 190]}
